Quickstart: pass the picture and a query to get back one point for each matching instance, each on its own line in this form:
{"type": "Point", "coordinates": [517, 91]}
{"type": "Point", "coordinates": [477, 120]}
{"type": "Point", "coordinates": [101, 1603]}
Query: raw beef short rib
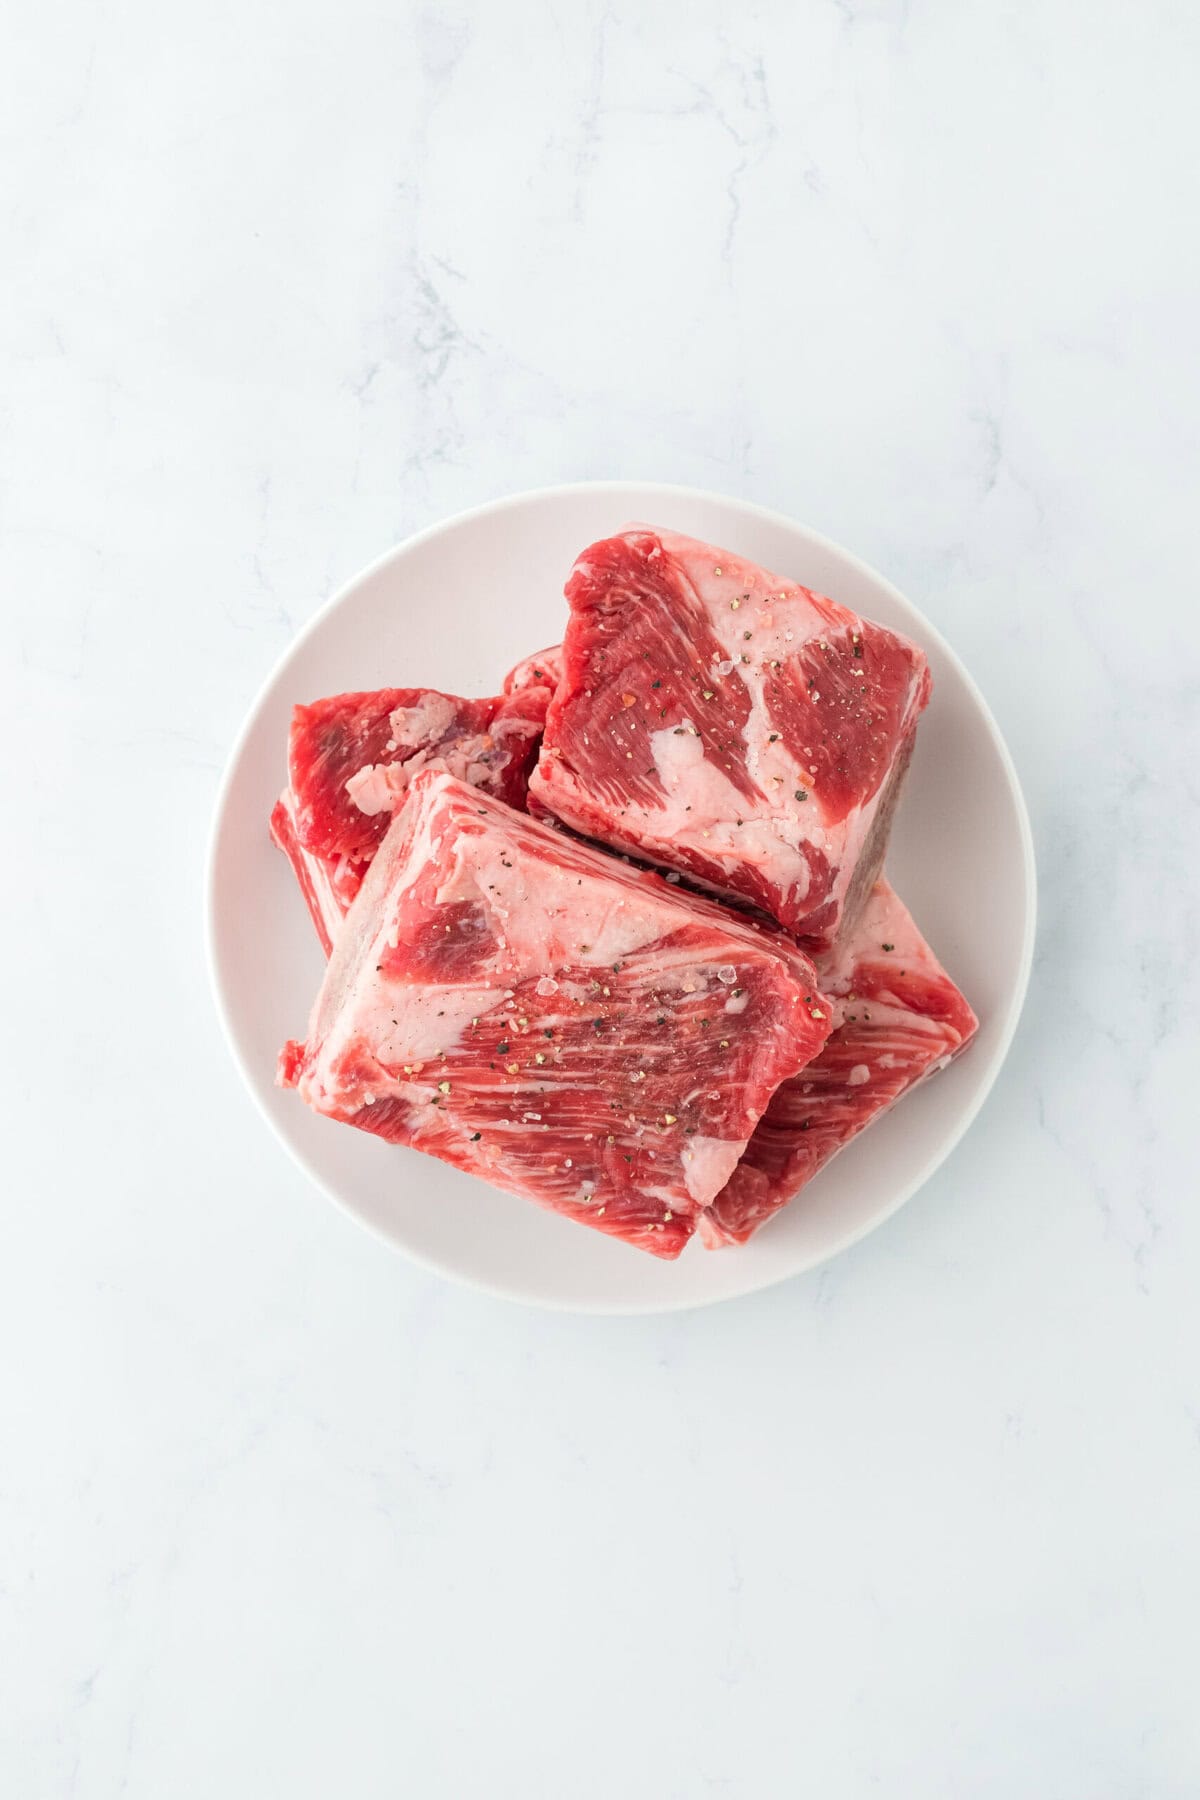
{"type": "Point", "coordinates": [352, 756]}
{"type": "Point", "coordinates": [897, 1017]}
{"type": "Point", "coordinates": [551, 1020]}
{"type": "Point", "coordinates": [328, 883]}
{"type": "Point", "coordinates": [734, 726]}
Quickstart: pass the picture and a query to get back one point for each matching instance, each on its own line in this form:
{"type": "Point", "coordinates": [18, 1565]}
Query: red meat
{"type": "Point", "coordinates": [541, 670]}
{"type": "Point", "coordinates": [731, 725]}
{"type": "Point", "coordinates": [350, 757]}
{"type": "Point", "coordinates": [550, 1020]}
{"type": "Point", "coordinates": [898, 1017]}
{"type": "Point", "coordinates": [328, 883]}
{"type": "Point", "coordinates": [369, 746]}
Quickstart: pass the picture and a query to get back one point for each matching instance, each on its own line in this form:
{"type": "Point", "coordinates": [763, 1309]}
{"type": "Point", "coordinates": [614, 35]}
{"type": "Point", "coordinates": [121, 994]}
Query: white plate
{"type": "Point", "coordinates": [454, 607]}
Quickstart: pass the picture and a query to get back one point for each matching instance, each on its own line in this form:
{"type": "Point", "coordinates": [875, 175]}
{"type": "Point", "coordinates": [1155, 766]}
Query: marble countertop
{"type": "Point", "coordinates": [279, 1513]}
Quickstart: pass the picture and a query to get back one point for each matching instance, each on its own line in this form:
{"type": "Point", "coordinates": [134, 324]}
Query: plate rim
{"type": "Point", "coordinates": [656, 1304]}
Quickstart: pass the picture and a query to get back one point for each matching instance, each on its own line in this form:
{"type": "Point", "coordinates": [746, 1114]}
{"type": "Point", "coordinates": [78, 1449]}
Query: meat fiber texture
{"type": "Point", "coordinates": [351, 757]}
{"type": "Point", "coordinates": [328, 883]}
{"type": "Point", "coordinates": [729, 724]}
{"type": "Point", "coordinates": [898, 1017]}
{"type": "Point", "coordinates": [552, 1021]}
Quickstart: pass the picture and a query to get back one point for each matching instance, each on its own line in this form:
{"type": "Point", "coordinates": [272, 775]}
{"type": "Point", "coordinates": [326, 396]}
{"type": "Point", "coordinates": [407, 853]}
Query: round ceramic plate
{"type": "Point", "coordinates": [453, 608]}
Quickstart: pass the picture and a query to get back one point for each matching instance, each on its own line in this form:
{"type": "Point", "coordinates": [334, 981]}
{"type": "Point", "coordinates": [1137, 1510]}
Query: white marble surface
{"type": "Point", "coordinates": [280, 1515]}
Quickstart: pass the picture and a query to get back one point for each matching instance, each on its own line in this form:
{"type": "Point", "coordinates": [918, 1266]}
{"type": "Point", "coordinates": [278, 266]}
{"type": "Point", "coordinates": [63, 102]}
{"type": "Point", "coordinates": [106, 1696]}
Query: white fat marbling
{"type": "Point", "coordinates": [283, 1514]}
{"type": "Point", "coordinates": [428, 720]}
{"type": "Point", "coordinates": [708, 1162]}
